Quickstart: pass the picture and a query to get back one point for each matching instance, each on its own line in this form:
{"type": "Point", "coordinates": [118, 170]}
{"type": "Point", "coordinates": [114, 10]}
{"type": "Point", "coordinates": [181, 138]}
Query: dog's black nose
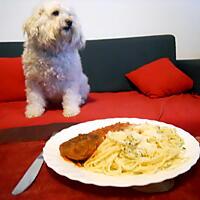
{"type": "Point", "coordinates": [68, 22]}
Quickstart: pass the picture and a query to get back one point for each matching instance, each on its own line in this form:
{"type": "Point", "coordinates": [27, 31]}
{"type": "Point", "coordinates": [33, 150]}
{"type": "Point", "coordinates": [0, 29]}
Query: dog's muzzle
{"type": "Point", "coordinates": [68, 26]}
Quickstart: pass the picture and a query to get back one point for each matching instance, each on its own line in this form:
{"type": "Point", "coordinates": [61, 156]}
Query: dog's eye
{"type": "Point", "coordinates": [55, 13]}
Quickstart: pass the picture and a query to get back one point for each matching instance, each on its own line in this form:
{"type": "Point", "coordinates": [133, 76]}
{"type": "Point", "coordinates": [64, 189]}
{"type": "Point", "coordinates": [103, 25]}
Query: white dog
{"type": "Point", "coordinates": [51, 61]}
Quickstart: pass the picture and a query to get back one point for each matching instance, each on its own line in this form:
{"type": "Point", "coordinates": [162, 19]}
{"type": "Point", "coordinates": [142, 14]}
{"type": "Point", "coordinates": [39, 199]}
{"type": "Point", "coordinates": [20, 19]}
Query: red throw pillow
{"type": "Point", "coordinates": [160, 78]}
{"type": "Point", "coordinates": [12, 86]}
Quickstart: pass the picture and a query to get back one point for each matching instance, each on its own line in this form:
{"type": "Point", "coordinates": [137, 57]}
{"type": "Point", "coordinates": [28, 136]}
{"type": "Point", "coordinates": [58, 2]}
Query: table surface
{"type": "Point", "coordinates": [20, 146]}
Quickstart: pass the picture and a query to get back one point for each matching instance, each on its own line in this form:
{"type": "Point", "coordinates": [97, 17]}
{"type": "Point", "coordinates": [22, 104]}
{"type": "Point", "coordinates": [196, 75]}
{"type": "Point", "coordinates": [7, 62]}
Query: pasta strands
{"type": "Point", "coordinates": [139, 149]}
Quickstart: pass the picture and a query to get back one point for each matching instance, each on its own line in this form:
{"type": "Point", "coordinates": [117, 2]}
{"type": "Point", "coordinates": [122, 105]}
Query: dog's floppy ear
{"type": "Point", "coordinates": [80, 40]}
{"type": "Point", "coordinates": [31, 27]}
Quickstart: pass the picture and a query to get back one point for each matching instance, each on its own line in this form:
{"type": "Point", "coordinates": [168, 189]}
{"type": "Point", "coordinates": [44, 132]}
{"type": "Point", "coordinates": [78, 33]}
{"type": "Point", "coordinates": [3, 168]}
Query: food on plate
{"type": "Point", "coordinates": [84, 145]}
{"type": "Point", "coordinates": [138, 149]}
{"type": "Point", "coordinates": [125, 148]}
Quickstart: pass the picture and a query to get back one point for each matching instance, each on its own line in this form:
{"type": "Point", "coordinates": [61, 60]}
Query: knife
{"type": "Point", "coordinates": [29, 176]}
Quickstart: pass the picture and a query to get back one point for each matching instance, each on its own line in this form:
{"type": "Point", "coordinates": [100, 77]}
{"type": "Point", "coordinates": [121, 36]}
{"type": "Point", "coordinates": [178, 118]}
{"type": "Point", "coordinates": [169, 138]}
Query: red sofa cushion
{"type": "Point", "coordinates": [99, 105]}
{"type": "Point", "coordinates": [160, 78]}
{"type": "Point", "coordinates": [12, 87]}
{"type": "Point", "coordinates": [181, 110]}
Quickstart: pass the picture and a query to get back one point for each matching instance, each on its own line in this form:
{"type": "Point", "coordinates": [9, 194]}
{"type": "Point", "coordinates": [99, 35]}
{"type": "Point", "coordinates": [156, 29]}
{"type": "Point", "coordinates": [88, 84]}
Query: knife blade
{"type": "Point", "coordinates": [29, 176]}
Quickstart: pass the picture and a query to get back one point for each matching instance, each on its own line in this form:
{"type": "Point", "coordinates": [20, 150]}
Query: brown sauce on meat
{"type": "Point", "coordinates": [84, 145]}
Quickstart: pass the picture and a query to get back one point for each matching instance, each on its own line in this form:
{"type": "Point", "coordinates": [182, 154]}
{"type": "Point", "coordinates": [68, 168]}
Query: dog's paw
{"type": "Point", "coordinates": [71, 111]}
{"type": "Point", "coordinates": [33, 110]}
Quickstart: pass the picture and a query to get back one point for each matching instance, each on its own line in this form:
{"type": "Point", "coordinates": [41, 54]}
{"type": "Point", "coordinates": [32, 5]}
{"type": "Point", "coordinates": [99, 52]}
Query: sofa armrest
{"type": "Point", "coordinates": [191, 68]}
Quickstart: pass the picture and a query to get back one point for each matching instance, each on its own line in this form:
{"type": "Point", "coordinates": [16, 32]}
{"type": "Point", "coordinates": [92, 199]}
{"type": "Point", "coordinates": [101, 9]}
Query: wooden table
{"type": "Point", "coordinates": [20, 146]}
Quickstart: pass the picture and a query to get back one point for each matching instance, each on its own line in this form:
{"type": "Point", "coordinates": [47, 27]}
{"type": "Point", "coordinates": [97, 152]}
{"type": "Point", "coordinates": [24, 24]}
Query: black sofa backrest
{"type": "Point", "coordinates": [192, 69]}
{"type": "Point", "coordinates": [106, 61]}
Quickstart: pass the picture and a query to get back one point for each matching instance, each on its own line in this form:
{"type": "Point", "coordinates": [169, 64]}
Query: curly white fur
{"type": "Point", "coordinates": [51, 61]}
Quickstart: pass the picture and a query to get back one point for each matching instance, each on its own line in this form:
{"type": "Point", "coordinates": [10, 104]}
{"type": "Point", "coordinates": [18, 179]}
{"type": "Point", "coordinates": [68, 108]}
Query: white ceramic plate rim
{"type": "Point", "coordinates": [53, 159]}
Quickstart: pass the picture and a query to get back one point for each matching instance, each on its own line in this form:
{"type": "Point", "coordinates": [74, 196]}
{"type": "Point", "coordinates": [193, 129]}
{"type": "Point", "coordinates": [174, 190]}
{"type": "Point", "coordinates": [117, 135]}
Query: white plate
{"type": "Point", "coordinates": [68, 169]}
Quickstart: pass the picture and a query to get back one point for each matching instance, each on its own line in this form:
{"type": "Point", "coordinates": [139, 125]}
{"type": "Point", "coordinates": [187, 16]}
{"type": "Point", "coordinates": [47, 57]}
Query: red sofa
{"type": "Point", "coordinates": [106, 62]}
{"type": "Point", "coordinates": [112, 95]}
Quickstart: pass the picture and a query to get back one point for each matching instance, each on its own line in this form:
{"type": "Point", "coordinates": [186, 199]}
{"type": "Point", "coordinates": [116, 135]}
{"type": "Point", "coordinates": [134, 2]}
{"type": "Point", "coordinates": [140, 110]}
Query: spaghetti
{"type": "Point", "coordinates": [138, 149]}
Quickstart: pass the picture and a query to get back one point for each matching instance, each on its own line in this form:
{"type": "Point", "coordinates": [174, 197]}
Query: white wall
{"type": "Point", "coordinates": [119, 18]}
